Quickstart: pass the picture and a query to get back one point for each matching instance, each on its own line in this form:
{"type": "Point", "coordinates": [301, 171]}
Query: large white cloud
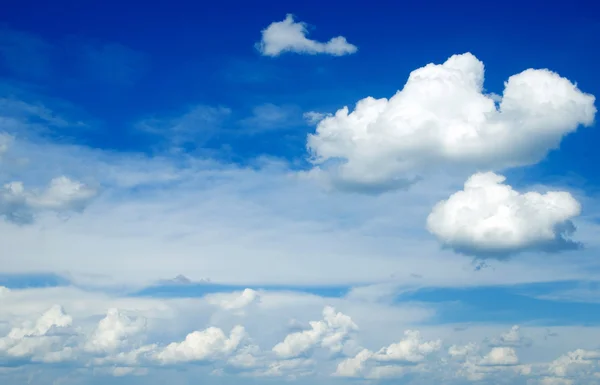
{"type": "Point", "coordinates": [443, 118]}
{"type": "Point", "coordinates": [158, 217]}
{"type": "Point", "coordinates": [290, 36]}
{"type": "Point", "coordinates": [490, 218]}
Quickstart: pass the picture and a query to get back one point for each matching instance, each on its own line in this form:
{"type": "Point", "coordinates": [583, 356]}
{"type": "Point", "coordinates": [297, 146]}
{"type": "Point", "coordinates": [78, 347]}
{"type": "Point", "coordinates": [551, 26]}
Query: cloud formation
{"type": "Point", "coordinates": [405, 356]}
{"type": "Point", "coordinates": [329, 333]}
{"type": "Point", "coordinates": [441, 119]}
{"type": "Point", "coordinates": [62, 195]}
{"type": "Point", "coordinates": [291, 36]}
{"type": "Point", "coordinates": [142, 337]}
{"type": "Point", "coordinates": [489, 218]}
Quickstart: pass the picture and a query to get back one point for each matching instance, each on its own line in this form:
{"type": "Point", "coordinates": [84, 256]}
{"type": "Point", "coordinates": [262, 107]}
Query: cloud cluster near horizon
{"type": "Point", "coordinates": [135, 340]}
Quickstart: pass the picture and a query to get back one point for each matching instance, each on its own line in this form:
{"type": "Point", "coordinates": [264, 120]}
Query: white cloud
{"type": "Point", "coordinates": [512, 338]}
{"type": "Point", "coordinates": [290, 36]}
{"type": "Point", "coordinates": [462, 351]}
{"type": "Point", "coordinates": [56, 336]}
{"type": "Point", "coordinates": [161, 216]}
{"type": "Point", "coordinates": [62, 195]}
{"type": "Point", "coordinates": [112, 332]}
{"type": "Point", "coordinates": [205, 345]}
{"type": "Point", "coordinates": [313, 117]}
{"type": "Point", "coordinates": [329, 333]}
{"type": "Point", "coordinates": [411, 351]}
{"type": "Point", "coordinates": [36, 340]}
{"type": "Point", "coordinates": [354, 366]}
{"type": "Point", "coordinates": [500, 356]}
{"type": "Point", "coordinates": [490, 218]}
{"type": "Point", "coordinates": [235, 301]}
{"type": "Point", "coordinates": [442, 119]}
{"type": "Point", "coordinates": [577, 363]}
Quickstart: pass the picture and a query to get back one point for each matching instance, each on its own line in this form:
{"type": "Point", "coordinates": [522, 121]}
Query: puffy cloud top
{"type": "Point", "coordinates": [442, 117]}
{"type": "Point", "coordinates": [330, 333]}
{"type": "Point", "coordinates": [235, 301]}
{"type": "Point", "coordinates": [36, 340]}
{"type": "Point", "coordinates": [500, 356]}
{"type": "Point", "coordinates": [113, 330]}
{"type": "Point", "coordinates": [202, 345]}
{"type": "Point", "coordinates": [290, 36]}
{"type": "Point", "coordinates": [490, 218]}
{"type": "Point", "coordinates": [410, 349]}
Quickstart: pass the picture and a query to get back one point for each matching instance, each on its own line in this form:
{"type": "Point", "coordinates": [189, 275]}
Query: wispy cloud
{"type": "Point", "coordinates": [269, 117]}
{"type": "Point", "coordinates": [195, 127]}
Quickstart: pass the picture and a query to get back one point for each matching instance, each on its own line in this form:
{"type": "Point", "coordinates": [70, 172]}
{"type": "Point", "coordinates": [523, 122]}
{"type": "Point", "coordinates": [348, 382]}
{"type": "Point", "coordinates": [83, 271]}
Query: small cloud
{"type": "Point", "coordinates": [490, 219]}
{"type": "Point", "coordinates": [313, 117]}
{"type": "Point", "coordinates": [500, 356]}
{"type": "Point", "coordinates": [62, 195]}
{"type": "Point", "coordinates": [512, 338]}
{"type": "Point", "coordinates": [290, 36]}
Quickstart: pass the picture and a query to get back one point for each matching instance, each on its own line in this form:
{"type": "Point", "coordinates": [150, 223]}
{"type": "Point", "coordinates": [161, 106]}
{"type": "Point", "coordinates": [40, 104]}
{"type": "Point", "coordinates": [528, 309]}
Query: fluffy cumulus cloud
{"type": "Point", "coordinates": [113, 331]}
{"type": "Point", "coordinates": [395, 360]}
{"type": "Point", "coordinates": [329, 333]}
{"type": "Point", "coordinates": [38, 341]}
{"type": "Point", "coordinates": [443, 118]}
{"type": "Point", "coordinates": [163, 215]}
{"type": "Point", "coordinates": [235, 302]}
{"type": "Point", "coordinates": [490, 218]}
{"type": "Point", "coordinates": [291, 36]}
{"type": "Point", "coordinates": [19, 205]}
{"type": "Point", "coordinates": [500, 356]}
{"type": "Point", "coordinates": [134, 337]}
{"type": "Point", "coordinates": [202, 345]}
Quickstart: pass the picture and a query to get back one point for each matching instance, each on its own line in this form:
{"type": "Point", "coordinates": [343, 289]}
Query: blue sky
{"type": "Point", "coordinates": [309, 192]}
